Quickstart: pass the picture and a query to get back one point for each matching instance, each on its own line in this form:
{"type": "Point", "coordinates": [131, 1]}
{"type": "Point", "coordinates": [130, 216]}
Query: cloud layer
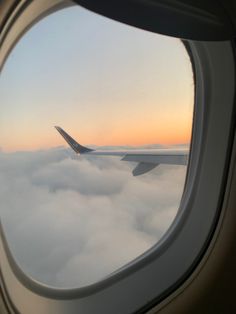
{"type": "Point", "coordinates": [70, 222]}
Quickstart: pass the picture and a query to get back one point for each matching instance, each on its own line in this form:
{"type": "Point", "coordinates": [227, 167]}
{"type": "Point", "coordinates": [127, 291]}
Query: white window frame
{"type": "Point", "coordinates": [155, 274]}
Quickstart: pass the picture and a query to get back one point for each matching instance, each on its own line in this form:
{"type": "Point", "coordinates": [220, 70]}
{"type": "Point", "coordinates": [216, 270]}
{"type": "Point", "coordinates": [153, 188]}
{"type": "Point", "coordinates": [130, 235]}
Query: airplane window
{"type": "Point", "coordinates": [82, 200]}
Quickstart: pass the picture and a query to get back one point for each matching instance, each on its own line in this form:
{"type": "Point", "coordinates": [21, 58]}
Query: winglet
{"type": "Point", "coordinates": [79, 149]}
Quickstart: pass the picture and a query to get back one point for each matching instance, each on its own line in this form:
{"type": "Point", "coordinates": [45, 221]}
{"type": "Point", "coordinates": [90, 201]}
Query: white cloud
{"type": "Point", "coordinates": [72, 222]}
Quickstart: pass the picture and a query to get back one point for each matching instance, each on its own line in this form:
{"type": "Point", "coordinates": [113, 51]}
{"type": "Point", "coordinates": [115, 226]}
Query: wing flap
{"type": "Point", "coordinates": [142, 168]}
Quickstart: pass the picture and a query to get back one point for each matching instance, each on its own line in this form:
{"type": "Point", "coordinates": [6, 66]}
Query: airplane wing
{"type": "Point", "coordinates": [147, 159]}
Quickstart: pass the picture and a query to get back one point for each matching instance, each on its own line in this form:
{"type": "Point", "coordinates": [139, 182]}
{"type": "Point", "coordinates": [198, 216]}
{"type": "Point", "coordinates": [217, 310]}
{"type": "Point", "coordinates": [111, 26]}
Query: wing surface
{"type": "Point", "coordinates": [147, 159]}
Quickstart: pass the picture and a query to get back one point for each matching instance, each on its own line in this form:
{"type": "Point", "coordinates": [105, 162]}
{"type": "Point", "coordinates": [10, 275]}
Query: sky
{"type": "Point", "coordinates": [72, 220]}
{"type": "Point", "coordinates": [104, 82]}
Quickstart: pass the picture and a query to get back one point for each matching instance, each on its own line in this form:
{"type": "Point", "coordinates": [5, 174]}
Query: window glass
{"type": "Point", "coordinates": [71, 220]}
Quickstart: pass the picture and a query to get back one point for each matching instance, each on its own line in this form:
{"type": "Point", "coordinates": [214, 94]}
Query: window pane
{"type": "Point", "coordinates": [70, 219]}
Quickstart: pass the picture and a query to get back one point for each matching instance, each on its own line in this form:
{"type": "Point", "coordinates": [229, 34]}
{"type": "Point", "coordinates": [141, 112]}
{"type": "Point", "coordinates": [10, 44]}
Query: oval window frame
{"type": "Point", "coordinates": [151, 276]}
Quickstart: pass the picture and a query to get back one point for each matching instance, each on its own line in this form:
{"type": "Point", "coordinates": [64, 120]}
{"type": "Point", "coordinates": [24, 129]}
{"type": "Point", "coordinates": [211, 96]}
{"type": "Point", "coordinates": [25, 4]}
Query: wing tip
{"type": "Point", "coordinates": [79, 149]}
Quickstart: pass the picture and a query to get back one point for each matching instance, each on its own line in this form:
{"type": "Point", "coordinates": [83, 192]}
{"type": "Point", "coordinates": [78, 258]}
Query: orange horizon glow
{"type": "Point", "coordinates": [137, 132]}
{"type": "Point", "coordinates": [174, 131]}
{"type": "Point", "coordinates": [122, 139]}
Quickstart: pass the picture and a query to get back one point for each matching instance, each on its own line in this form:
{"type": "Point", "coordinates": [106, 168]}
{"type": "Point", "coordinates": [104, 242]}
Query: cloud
{"type": "Point", "coordinates": [72, 221]}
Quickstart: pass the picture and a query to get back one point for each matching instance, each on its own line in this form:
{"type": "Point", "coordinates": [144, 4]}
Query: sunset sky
{"type": "Point", "coordinates": [70, 222]}
{"type": "Point", "coordinates": [105, 83]}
